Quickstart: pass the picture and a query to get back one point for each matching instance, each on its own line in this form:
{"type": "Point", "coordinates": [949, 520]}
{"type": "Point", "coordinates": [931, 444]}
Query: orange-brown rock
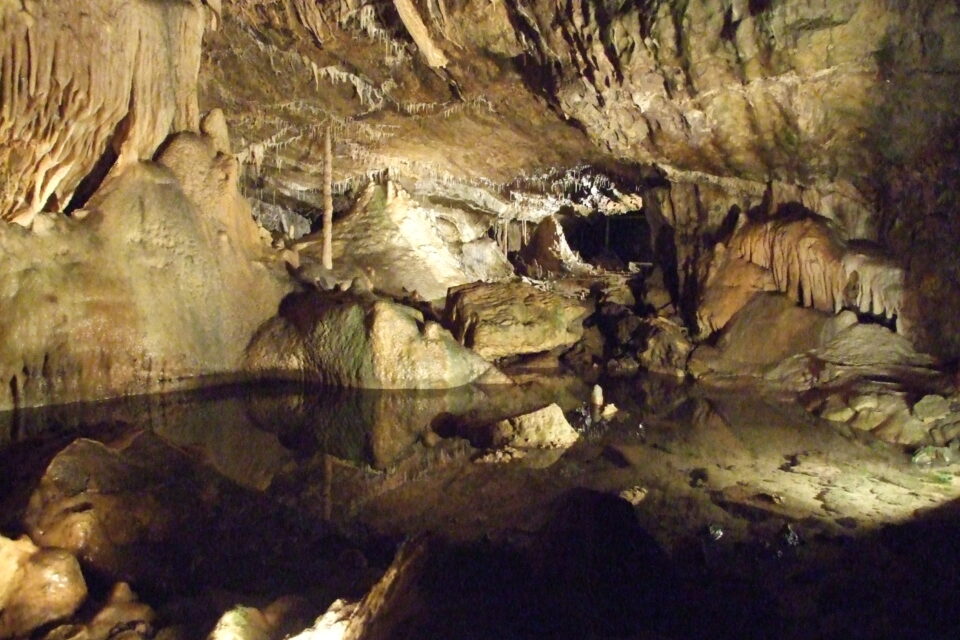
{"type": "Point", "coordinates": [37, 586]}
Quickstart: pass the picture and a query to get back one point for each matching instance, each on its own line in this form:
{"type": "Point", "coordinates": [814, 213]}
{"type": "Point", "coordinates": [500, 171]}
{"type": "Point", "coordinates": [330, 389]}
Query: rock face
{"type": "Point", "coordinates": [37, 586]}
{"type": "Point", "coordinates": [513, 318]}
{"type": "Point", "coordinates": [362, 342]}
{"type": "Point", "coordinates": [730, 284]}
{"type": "Point", "coordinates": [156, 285]}
{"type": "Point", "coordinates": [548, 253]}
{"type": "Point", "coordinates": [87, 84]}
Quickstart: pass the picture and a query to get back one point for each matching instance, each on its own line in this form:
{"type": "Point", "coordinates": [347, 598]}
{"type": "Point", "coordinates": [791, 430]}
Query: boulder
{"type": "Point", "coordinates": [497, 320]}
{"type": "Point", "coordinates": [764, 332]}
{"type": "Point", "coordinates": [545, 428]}
{"type": "Point", "coordinates": [37, 586]}
{"type": "Point", "coordinates": [931, 408]}
{"type": "Point", "coordinates": [142, 511]}
{"type": "Point", "coordinates": [362, 341]}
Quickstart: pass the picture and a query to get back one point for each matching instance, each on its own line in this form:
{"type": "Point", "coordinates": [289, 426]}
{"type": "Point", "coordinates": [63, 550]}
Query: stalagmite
{"type": "Point", "coordinates": [327, 255]}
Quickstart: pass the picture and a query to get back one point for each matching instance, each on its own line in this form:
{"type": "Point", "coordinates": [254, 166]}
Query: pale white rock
{"type": "Point", "coordinates": [241, 623]}
{"type": "Point", "coordinates": [546, 428]}
{"type": "Point", "coordinates": [402, 241]}
{"type": "Point", "coordinates": [634, 495]}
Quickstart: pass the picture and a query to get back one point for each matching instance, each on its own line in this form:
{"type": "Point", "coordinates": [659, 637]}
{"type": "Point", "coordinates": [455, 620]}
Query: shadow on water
{"type": "Point", "coordinates": [592, 572]}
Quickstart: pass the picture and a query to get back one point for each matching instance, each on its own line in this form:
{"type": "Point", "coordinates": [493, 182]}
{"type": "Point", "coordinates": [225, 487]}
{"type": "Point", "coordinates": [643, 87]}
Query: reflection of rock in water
{"type": "Point", "coordinates": [249, 433]}
{"type": "Point", "coordinates": [378, 427]}
{"type": "Point", "coordinates": [355, 424]}
{"type": "Point", "coordinates": [141, 510]}
{"type": "Point", "coordinates": [212, 423]}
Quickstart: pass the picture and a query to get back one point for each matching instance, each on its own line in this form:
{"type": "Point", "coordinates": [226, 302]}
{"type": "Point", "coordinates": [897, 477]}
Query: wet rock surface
{"type": "Point", "coordinates": [40, 586]}
{"type": "Point", "coordinates": [363, 341]}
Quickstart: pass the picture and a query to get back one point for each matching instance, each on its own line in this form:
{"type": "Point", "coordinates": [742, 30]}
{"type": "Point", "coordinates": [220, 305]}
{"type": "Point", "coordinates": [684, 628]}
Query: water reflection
{"type": "Point", "coordinates": [249, 432]}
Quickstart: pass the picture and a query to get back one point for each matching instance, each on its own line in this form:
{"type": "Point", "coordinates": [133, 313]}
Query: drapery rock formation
{"type": "Point", "coordinates": [89, 85]}
{"type": "Point", "coordinates": [806, 260]}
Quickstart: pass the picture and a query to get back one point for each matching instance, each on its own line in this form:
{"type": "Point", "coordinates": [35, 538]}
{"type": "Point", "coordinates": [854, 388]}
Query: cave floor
{"type": "Point", "coordinates": [746, 518]}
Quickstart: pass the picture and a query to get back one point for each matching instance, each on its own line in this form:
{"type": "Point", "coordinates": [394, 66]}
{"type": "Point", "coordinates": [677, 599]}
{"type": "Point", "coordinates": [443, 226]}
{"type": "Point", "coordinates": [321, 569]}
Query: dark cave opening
{"type": "Point", "coordinates": [609, 241]}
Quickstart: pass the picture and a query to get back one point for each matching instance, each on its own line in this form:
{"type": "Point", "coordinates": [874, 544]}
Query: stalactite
{"type": "Point", "coordinates": [811, 264]}
{"type": "Point", "coordinates": [421, 35]}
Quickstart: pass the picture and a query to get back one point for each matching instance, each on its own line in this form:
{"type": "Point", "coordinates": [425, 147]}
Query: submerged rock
{"type": "Point", "coordinates": [37, 586]}
{"type": "Point", "coordinates": [365, 342]}
{"type": "Point", "coordinates": [513, 318]}
{"type": "Point", "coordinates": [145, 512]}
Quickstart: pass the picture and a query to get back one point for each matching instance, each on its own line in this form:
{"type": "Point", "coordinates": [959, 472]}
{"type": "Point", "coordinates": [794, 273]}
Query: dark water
{"type": "Point", "coordinates": [595, 567]}
{"type": "Point", "coordinates": [242, 426]}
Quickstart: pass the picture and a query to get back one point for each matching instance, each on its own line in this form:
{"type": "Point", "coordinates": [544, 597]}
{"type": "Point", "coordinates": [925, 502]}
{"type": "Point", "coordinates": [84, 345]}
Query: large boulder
{"type": "Point", "coordinates": [37, 586]}
{"type": "Point", "coordinates": [858, 351]}
{"type": "Point", "coordinates": [767, 330]}
{"type": "Point", "coordinates": [143, 511]}
{"type": "Point", "coordinates": [362, 341]}
{"type": "Point", "coordinates": [407, 244]}
{"type": "Point", "coordinates": [513, 318]}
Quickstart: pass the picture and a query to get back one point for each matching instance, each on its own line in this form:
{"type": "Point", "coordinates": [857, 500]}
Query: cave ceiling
{"type": "Point", "coordinates": [510, 96]}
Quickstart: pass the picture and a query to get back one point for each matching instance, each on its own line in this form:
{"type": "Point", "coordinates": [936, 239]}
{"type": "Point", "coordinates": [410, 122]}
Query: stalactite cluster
{"type": "Point", "coordinates": [814, 266]}
{"type": "Point", "coordinates": [69, 115]}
